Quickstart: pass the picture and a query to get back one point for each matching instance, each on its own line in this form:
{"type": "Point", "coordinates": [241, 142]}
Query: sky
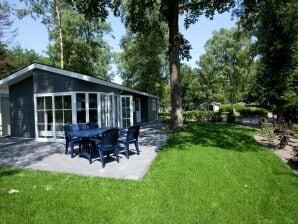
{"type": "Point", "coordinates": [32, 34]}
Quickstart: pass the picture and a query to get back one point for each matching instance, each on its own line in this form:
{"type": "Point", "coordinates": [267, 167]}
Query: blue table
{"type": "Point", "coordinates": [86, 135]}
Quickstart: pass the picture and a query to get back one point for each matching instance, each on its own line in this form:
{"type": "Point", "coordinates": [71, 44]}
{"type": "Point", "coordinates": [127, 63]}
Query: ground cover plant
{"type": "Point", "coordinates": [209, 173]}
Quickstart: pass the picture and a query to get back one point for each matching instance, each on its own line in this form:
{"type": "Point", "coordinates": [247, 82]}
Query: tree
{"type": "Point", "coordinates": [188, 77]}
{"type": "Point", "coordinates": [143, 60]}
{"type": "Point", "coordinates": [23, 57]}
{"type": "Point", "coordinates": [50, 13]}
{"type": "Point", "coordinates": [227, 65]}
{"type": "Point", "coordinates": [85, 50]}
{"type": "Point", "coordinates": [76, 42]}
{"type": "Point", "coordinates": [168, 11]}
{"type": "Point", "coordinates": [274, 24]}
{"type": "Point", "coordinates": [6, 35]}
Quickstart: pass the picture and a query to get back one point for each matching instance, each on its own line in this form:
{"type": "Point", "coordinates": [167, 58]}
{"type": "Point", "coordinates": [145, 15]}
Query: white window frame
{"type": "Point", "coordinates": [74, 109]}
{"type": "Point", "coordinates": [130, 108]}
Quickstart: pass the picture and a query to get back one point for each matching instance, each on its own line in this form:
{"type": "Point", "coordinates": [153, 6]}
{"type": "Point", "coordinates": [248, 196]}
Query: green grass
{"type": "Point", "coordinates": [210, 173]}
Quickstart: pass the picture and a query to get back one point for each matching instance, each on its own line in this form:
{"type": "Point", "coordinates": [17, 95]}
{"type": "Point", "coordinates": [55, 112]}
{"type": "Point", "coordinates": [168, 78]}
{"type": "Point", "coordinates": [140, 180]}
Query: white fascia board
{"type": "Point", "coordinates": [17, 76]}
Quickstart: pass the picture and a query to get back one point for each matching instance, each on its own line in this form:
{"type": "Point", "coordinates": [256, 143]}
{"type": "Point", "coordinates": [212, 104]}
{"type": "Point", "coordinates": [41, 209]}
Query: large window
{"type": "Point", "coordinates": [63, 113]}
{"type": "Point", "coordinates": [93, 117]}
{"type": "Point", "coordinates": [81, 108]}
{"type": "Point", "coordinates": [103, 110]}
{"type": "Point", "coordinates": [53, 110]}
{"type": "Point", "coordinates": [126, 109]}
{"type": "Point", "coordinates": [45, 116]}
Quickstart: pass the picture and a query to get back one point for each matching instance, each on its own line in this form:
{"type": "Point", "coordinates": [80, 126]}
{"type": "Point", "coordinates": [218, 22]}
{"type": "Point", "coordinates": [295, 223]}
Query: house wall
{"type": "Point", "coordinates": [21, 98]}
{"type": "Point", "coordinates": [22, 109]}
{"type": "Point", "coordinates": [47, 82]}
{"type": "Point", "coordinates": [5, 116]}
{"type": "Point", "coordinates": [152, 114]}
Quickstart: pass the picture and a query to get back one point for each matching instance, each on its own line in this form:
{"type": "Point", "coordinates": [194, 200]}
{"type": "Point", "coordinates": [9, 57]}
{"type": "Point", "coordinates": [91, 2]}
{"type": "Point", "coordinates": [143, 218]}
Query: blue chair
{"type": "Point", "coordinates": [69, 139]}
{"type": "Point", "coordinates": [108, 143]}
{"type": "Point", "coordinates": [92, 125]}
{"type": "Point", "coordinates": [131, 138]}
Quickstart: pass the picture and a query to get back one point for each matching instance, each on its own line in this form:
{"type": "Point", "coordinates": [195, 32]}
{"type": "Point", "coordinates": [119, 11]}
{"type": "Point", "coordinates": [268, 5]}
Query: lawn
{"type": "Point", "coordinates": [210, 173]}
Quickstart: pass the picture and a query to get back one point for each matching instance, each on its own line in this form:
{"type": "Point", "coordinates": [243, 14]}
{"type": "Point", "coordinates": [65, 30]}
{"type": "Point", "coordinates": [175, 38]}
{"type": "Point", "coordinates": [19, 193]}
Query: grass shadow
{"type": "Point", "coordinates": [4, 171]}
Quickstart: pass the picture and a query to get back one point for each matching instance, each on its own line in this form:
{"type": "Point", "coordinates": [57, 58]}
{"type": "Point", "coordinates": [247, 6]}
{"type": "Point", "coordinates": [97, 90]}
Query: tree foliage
{"type": "Point", "coordinates": [85, 50]}
{"type": "Point", "coordinates": [76, 42]}
{"type": "Point", "coordinates": [143, 60]}
{"type": "Point", "coordinates": [6, 35]}
{"type": "Point", "coordinates": [275, 25]}
{"type": "Point", "coordinates": [227, 67]}
{"type": "Point", "coordinates": [23, 57]}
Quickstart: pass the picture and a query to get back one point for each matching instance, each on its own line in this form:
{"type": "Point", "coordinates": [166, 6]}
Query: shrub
{"type": "Point", "coordinates": [252, 112]}
{"type": "Point", "coordinates": [267, 131]}
{"type": "Point", "coordinates": [243, 110]}
{"type": "Point", "coordinates": [294, 128]}
{"type": "Point", "coordinates": [164, 115]}
{"type": "Point", "coordinates": [198, 115]}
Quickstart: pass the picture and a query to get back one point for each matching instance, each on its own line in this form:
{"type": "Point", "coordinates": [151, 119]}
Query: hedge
{"type": "Point", "coordinates": [198, 115]}
{"type": "Point", "coordinates": [243, 110]}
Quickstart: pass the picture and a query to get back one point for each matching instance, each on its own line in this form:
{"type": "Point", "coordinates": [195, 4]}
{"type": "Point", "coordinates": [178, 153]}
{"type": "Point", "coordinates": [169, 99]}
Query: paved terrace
{"type": "Point", "coordinates": [29, 154]}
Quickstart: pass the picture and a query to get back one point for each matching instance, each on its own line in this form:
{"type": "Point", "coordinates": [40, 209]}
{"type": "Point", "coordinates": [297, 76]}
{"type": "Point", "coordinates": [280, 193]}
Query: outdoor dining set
{"type": "Point", "coordinates": [93, 140]}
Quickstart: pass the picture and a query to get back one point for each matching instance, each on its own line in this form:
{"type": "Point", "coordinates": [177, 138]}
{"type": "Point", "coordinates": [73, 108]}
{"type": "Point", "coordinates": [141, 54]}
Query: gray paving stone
{"type": "Point", "coordinates": [30, 154]}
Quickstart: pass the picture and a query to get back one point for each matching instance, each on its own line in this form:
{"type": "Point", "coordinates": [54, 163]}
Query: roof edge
{"type": "Point", "coordinates": [17, 75]}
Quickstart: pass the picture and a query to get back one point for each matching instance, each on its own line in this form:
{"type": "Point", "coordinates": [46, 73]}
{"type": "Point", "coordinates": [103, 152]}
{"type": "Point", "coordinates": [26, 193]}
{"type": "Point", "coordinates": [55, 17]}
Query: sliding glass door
{"type": "Point", "coordinates": [53, 110]}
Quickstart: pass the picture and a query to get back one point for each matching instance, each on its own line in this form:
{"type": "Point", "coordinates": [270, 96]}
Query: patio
{"type": "Point", "coordinates": [29, 154]}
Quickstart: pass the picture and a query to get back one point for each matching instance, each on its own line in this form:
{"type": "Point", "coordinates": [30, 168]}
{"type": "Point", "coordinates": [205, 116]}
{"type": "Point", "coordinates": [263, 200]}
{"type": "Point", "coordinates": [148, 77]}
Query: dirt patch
{"type": "Point", "coordinates": [287, 154]}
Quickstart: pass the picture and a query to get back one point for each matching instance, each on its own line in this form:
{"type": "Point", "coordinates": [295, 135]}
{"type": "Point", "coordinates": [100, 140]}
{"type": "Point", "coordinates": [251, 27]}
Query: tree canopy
{"type": "Point", "coordinates": [274, 24]}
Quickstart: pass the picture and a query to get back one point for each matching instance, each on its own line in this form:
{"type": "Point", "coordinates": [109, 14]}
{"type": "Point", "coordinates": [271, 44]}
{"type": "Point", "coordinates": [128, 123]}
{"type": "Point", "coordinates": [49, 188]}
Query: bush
{"type": "Point", "coordinates": [294, 128]}
{"type": "Point", "coordinates": [252, 112]}
{"type": "Point", "coordinates": [243, 110]}
{"type": "Point", "coordinates": [198, 115]}
{"type": "Point", "coordinates": [164, 115]}
{"type": "Point", "coordinates": [267, 131]}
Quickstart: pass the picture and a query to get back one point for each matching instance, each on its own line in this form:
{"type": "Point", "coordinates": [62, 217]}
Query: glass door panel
{"type": "Point", "coordinates": [126, 111]}
{"type": "Point", "coordinates": [45, 117]}
{"type": "Point", "coordinates": [93, 108]}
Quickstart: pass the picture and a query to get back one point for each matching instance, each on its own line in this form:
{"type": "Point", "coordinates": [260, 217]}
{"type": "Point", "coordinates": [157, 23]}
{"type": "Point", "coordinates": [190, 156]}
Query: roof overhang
{"type": "Point", "coordinates": [27, 72]}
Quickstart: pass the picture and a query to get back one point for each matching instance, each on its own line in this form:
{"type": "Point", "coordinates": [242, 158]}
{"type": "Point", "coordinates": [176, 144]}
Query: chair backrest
{"type": "Point", "coordinates": [67, 129]}
{"type": "Point", "coordinates": [109, 138]}
{"type": "Point", "coordinates": [83, 127]}
{"type": "Point", "coordinates": [133, 133]}
{"type": "Point", "coordinates": [75, 127]}
{"type": "Point", "coordinates": [92, 125]}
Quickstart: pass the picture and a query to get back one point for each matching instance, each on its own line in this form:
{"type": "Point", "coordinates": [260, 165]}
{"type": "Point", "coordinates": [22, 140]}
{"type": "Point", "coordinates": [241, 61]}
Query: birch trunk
{"type": "Point", "coordinates": [59, 23]}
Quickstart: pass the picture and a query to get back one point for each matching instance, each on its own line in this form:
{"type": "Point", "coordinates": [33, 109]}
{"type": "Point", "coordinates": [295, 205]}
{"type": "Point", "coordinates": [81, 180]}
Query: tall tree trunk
{"type": "Point", "coordinates": [59, 23]}
{"type": "Point", "coordinates": [174, 43]}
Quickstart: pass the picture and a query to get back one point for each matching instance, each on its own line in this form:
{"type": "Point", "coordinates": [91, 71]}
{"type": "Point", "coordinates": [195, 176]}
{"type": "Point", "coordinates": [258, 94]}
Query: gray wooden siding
{"type": "Point", "coordinates": [47, 82]}
{"type": "Point", "coordinates": [22, 109]}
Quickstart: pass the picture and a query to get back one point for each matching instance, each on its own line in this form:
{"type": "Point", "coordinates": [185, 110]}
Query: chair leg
{"type": "Point", "coordinates": [72, 149]}
{"type": "Point", "coordinates": [66, 146]}
{"type": "Point", "coordinates": [126, 150]}
{"type": "Point", "coordinates": [116, 153]}
{"type": "Point", "coordinates": [101, 158]}
{"type": "Point", "coordinates": [137, 148]}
